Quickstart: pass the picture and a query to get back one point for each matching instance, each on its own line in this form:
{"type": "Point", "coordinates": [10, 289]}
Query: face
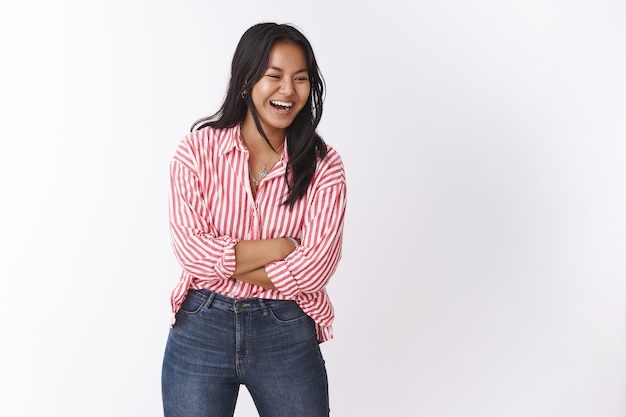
{"type": "Point", "coordinates": [284, 88]}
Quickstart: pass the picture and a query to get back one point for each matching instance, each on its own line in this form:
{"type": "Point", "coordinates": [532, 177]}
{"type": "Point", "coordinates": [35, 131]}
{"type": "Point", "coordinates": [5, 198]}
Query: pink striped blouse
{"type": "Point", "coordinates": [212, 208]}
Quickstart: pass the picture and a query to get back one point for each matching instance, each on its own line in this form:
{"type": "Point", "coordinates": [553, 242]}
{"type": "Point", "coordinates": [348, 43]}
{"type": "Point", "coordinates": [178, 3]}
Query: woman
{"type": "Point", "coordinates": [256, 214]}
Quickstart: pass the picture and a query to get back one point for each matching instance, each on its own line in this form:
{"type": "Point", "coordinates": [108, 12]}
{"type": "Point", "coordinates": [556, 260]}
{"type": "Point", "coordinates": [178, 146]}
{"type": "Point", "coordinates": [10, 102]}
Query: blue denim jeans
{"type": "Point", "coordinates": [219, 343]}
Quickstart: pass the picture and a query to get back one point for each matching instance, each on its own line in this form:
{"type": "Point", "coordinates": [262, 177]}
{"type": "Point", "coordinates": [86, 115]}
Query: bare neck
{"type": "Point", "coordinates": [254, 138]}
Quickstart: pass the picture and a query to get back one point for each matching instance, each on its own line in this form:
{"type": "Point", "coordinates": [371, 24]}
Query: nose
{"type": "Point", "coordinates": [286, 87]}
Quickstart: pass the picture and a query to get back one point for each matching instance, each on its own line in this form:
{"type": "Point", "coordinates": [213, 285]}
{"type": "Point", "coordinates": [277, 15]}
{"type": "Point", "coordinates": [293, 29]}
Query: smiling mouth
{"type": "Point", "coordinates": [281, 105]}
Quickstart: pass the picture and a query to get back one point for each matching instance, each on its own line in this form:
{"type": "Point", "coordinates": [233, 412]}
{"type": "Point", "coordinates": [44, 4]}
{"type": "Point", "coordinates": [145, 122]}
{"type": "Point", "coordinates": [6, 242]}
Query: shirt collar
{"type": "Point", "coordinates": [230, 140]}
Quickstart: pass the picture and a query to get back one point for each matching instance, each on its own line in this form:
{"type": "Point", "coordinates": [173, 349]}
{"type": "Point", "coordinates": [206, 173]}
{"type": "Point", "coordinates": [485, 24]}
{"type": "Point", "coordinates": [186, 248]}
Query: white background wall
{"type": "Point", "coordinates": [484, 270]}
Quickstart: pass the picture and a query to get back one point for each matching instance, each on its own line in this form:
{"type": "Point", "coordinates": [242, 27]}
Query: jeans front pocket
{"type": "Point", "coordinates": [286, 312]}
{"type": "Point", "coordinates": [193, 303]}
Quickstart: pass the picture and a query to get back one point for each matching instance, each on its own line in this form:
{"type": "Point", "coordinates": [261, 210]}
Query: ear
{"type": "Point", "coordinates": [244, 91]}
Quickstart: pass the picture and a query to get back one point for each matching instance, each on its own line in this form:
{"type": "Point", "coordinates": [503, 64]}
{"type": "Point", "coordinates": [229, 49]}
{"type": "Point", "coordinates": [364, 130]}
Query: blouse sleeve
{"type": "Point", "coordinates": [308, 268]}
{"type": "Point", "coordinates": [199, 251]}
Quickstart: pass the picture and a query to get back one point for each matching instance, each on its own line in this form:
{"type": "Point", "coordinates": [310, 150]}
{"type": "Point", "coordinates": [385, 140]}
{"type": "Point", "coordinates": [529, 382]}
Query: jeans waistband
{"type": "Point", "coordinates": [223, 302]}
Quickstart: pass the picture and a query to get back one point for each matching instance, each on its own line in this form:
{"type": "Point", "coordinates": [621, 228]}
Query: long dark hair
{"type": "Point", "coordinates": [250, 61]}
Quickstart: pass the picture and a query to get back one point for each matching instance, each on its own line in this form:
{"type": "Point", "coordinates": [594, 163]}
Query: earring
{"type": "Point", "coordinates": [243, 95]}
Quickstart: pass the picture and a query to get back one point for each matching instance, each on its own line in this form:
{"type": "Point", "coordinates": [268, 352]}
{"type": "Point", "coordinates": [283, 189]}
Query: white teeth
{"type": "Point", "coordinates": [281, 103]}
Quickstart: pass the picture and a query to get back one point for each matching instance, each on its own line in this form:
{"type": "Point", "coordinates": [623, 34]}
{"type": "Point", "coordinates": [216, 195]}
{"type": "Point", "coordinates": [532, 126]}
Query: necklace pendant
{"type": "Point", "coordinates": [262, 173]}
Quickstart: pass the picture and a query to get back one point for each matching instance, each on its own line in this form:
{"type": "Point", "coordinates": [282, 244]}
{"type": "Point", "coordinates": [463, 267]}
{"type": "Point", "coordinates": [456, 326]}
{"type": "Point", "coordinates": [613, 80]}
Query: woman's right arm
{"type": "Point", "coordinates": [254, 254]}
{"type": "Point", "coordinates": [201, 253]}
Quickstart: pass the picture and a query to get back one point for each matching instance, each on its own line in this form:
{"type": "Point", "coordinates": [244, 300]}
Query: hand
{"type": "Point", "coordinates": [294, 243]}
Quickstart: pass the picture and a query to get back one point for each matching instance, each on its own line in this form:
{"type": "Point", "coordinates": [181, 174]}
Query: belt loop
{"type": "Point", "coordinates": [209, 300]}
{"type": "Point", "coordinates": [264, 308]}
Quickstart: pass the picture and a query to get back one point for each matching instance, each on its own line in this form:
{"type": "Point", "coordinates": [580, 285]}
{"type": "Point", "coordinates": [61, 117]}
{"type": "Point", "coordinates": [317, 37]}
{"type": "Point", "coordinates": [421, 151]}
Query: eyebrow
{"type": "Point", "coordinates": [279, 69]}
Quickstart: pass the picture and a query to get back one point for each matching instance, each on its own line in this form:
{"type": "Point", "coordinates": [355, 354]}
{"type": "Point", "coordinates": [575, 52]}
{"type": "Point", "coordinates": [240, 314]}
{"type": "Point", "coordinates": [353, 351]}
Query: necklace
{"type": "Point", "coordinates": [263, 171]}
